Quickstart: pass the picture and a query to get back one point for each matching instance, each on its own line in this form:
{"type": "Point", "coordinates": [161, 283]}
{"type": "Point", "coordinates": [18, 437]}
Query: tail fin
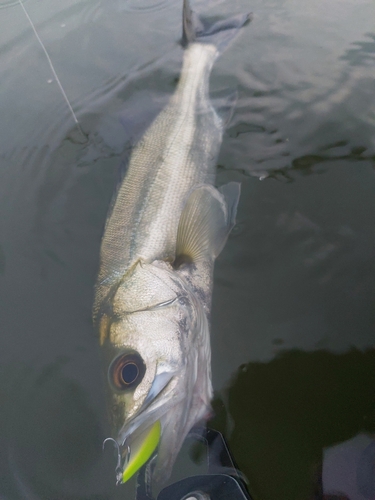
{"type": "Point", "coordinates": [219, 34]}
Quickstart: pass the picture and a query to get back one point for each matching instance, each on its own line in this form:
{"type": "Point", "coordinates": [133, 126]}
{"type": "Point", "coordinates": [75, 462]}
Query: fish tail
{"type": "Point", "coordinates": [219, 33]}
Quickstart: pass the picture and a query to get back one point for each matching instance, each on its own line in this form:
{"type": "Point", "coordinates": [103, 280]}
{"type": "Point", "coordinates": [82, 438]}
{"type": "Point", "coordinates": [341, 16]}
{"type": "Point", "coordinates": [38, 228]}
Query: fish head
{"type": "Point", "coordinates": [157, 357]}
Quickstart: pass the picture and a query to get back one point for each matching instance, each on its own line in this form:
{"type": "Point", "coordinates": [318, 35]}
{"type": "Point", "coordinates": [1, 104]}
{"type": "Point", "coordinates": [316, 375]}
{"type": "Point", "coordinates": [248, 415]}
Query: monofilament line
{"type": "Point", "coordinates": [51, 65]}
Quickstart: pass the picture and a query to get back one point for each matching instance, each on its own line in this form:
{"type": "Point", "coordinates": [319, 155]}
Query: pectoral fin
{"type": "Point", "coordinates": [206, 222]}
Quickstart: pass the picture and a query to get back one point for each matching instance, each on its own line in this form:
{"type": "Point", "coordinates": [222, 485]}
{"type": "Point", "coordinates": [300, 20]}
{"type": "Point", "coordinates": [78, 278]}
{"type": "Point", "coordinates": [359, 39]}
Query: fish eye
{"type": "Point", "coordinates": [127, 371]}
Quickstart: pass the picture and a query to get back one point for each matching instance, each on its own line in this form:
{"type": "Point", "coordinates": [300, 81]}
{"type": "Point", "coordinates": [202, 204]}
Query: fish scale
{"type": "Point", "coordinates": [159, 211]}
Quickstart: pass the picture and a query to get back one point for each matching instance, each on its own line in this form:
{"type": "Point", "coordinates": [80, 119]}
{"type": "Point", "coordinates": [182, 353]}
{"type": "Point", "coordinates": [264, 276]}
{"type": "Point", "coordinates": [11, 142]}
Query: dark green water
{"type": "Point", "coordinates": [293, 312]}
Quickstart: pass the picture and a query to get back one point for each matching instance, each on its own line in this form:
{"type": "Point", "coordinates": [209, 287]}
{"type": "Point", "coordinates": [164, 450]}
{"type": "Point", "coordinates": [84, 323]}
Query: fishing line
{"type": "Point", "coordinates": [51, 66]}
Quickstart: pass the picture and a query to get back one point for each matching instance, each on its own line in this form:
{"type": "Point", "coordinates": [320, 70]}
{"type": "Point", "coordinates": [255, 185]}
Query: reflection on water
{"type": "Point", "coordinates": [318, 164]}
{"type": "Point", "coordinates": [287, 417]}
{"type": "Point", "coordinates": [349, 469]}
{"type": "Point", "coordinates": [363, 53]}
{"type": "Point", "coordinates": [297, 273]}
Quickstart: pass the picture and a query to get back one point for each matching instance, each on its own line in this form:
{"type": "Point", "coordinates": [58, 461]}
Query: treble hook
{"type": "Point", "coordinates": [118, 466]}
{"type": "Point", "coordinates": [119, 470]}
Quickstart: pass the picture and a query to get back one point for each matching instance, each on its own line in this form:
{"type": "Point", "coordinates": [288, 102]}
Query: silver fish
{"type": "Point", "coordinates": [167, 225]}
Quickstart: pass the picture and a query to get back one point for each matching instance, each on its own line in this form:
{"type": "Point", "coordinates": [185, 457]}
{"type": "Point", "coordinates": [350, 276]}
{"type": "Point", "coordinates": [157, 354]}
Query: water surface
{"type": "Point", "coordinates": [293, 310]}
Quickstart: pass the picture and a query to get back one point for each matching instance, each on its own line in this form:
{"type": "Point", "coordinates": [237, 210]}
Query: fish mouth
{"type": "Point", "coordinates": [135, 451]}
{"type": "Point", "coordinates": [141, 436]}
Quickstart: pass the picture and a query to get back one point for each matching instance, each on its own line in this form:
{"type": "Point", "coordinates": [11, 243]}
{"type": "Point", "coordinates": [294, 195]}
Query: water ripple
{"type": "Point", "coordinates": [9, 3]}
{"type": "Point", "coordinates": [145, 5]}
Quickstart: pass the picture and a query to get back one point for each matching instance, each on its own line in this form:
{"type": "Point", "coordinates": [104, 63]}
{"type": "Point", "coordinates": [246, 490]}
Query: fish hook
{"type": "Point", "coordinates": [119, 470]}
{"type": "Point", "coordinates": [117, 446]}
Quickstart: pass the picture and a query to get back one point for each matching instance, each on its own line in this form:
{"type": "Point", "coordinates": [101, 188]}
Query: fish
{"type": "Point", "coordinates": [166, 226]}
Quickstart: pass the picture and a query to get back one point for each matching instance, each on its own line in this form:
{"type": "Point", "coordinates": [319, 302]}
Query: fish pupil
{"type": "Point", "coordinates": [129, 373]}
